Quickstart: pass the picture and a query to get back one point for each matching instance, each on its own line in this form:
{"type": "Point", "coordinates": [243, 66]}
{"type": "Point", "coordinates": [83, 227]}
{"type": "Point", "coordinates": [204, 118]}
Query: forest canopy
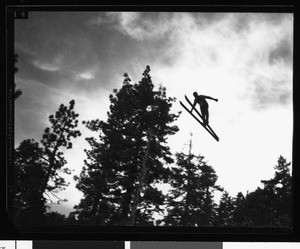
{"type": "Point", "coordinates": [127, 161]}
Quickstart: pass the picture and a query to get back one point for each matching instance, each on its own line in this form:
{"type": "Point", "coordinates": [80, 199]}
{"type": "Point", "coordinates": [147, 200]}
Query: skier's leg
{"type": "Point", "coordinates": [207, 115]}
{"type": "Point", "coordinates": [204, 113]}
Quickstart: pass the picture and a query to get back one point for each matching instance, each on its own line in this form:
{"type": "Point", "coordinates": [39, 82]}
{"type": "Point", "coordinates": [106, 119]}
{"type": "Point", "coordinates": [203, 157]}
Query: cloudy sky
{"type": "Point", "coordinates": [243, 59]}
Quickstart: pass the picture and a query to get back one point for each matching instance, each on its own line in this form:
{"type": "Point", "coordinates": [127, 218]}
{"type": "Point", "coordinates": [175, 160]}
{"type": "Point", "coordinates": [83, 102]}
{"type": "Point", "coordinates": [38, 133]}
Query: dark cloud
{"type": "Point", "coordinates": [30, 72]}
{"type": "Point", "coordinates": [241, 22]}
{"type": "Point", "coordinates": [54, 48]}
{"type": "Point", "coordinates": [134, 36]}
{"type": "Point", "coordinates": [273, 18]}
{"type": "Point", "coordinates": [285, 97]}
{"type": "Point", "coordinates": [24, 126]}
{"type": "Point", "coordinates": [270, 68]}
{"type": "Point", "coordinates": [203, 19]}
{"type": "Point", "coordinates": [283, 52]}
{"type": "Point", "coordinates": [31, 109]}
{"type": "Point", "coordinates": [267, 93]}
{"type": "Point", "coordinates": [155, 36]}
{"type": "Point", "coordinates": [140, 26]}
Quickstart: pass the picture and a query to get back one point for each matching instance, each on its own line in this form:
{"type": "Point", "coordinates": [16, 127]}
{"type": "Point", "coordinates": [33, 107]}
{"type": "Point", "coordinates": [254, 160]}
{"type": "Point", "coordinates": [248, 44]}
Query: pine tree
{"type": "Point", "coordinates": [124, 164]}
{"type": "Point", "coordinates": [269, 206]}
{"type": "Point", "coordinates": [224, 216]}
{"type": "Point", "coordinates": [191, 199]}
{"type": "Point", "coordinates": [279, 190]}
{"type": "Point", "coordinates": [238, 213]}
{"type": "Point", "coordinates": [29, 172]}
{"type": "Point", "coordinates": [37, 169]}
{"type": "Point", "coordinates": [208, 182]}
{"type": "Point", "coordinates": [54, 218]}
{"type": "Point", "coordinates": [58, 136]}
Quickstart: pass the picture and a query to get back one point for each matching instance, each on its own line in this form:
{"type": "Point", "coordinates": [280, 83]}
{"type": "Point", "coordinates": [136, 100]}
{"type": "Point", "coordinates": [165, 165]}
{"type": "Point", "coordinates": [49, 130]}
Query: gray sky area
{"type": "Point", "coordinates": [243, 59]}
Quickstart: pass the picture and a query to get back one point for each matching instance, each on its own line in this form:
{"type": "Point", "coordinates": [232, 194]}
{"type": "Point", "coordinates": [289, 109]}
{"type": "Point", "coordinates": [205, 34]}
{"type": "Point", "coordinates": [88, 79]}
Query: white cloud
{"type": "Point", "coordinates": [141, 26]}
{"type": "Point", "coordinates": [45, 66]}
{"type": "Point", "coordinates": [86, 76]}
{"type": "Point", "coordinates": [53, 65]}
{"type": "Point", "coordinates": [218, 57]}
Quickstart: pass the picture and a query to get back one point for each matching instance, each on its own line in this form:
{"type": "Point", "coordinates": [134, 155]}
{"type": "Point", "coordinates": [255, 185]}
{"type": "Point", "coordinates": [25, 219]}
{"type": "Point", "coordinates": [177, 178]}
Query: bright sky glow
{"type": "Point", "coordinates": [244, 60]}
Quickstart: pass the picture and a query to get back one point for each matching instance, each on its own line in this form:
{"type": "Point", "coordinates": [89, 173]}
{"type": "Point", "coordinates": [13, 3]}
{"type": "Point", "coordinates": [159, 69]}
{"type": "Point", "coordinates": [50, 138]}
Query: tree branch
{"type": "Point", "coordinates": [49, 197]}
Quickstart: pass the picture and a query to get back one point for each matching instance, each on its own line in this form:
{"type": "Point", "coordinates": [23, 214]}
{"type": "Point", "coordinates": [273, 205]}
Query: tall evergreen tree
{"type": "Point", "coordinates": [279, 189]}
{"type": "Point", "coordinates": [191, 199]}
{"type": "Point", "coordinates": [37, 169]}
{"type": "Point", "coordinates": [238, 212]}
{"type": "Point", "coordinates": [269, 206]}
{"type": "Point", "coordinates": [256, 209]}
{"type": "Point", "coordinates": [124, 164]}
{"type": "Point", "coordinates": [224, 216]}
{"type": "Point", "coordinates": [208, 183]}
{"type": "Point", "coordinates": [56, 137]}
{"type": "Point", "coordinates": [29, 172]}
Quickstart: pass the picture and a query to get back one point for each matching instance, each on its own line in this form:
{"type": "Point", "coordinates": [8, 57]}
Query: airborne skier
{"type": "Point", "coordinates": [201, 100]}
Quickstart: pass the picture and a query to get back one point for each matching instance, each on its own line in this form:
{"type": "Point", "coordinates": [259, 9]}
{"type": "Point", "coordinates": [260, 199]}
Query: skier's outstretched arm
{"type": "Point", "coordinates": [208, 97]}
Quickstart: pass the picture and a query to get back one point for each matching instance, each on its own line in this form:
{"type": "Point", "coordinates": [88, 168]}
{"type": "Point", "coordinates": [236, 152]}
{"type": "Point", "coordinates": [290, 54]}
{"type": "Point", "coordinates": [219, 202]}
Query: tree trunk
{"type": "Point", "coordinates": [141, 180]}
{"type": "Point", "coordinates": [186, 219]}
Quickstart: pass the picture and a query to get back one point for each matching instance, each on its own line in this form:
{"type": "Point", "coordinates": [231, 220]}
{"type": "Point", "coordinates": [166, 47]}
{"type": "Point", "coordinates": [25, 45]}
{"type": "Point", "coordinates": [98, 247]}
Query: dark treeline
{"type": "Point", "coordinates": [127, 162]}
{"type": "Point", "coordinates": [17, 92]}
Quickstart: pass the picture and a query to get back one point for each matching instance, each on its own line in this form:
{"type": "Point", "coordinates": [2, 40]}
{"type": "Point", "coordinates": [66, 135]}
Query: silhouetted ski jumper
{"type": "Point", "coordinates": [201, 100]}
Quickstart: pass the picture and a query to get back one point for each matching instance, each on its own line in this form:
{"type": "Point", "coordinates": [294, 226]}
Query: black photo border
{"type": "Point", "coordinates": [224, 234]}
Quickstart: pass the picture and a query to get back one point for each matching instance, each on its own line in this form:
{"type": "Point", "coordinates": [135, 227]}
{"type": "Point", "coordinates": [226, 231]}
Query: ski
{"type": "Point", "coordinates": [213, 135]}
{"type": "Point", "coordinates": [201, 116]}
